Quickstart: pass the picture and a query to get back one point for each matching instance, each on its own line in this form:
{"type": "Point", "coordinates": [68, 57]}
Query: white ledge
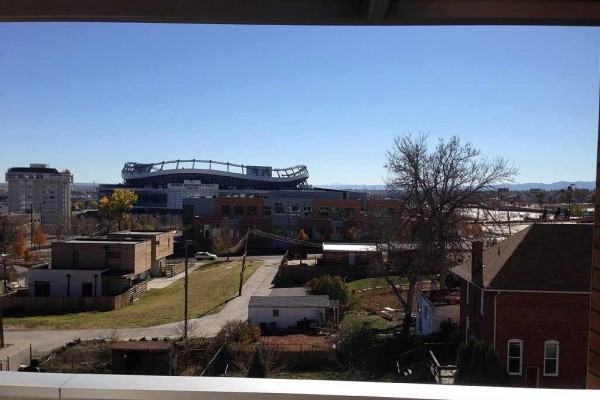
{"type": "Point", "coordinates": [30, 385]}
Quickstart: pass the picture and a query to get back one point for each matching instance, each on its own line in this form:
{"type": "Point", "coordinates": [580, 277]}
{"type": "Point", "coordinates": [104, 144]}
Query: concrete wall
{"type": "Point", "coordinates": [58, 281]}
{"type": "Point", "coordinates": [288, 317]}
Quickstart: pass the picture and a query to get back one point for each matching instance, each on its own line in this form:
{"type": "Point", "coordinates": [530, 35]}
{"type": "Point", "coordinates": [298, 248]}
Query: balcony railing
{"type": "Point", "coordinates": [27, 385]}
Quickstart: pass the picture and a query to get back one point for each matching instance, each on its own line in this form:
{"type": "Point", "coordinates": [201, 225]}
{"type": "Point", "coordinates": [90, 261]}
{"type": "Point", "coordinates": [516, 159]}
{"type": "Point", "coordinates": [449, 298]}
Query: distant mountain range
{"type": "Point", "coordinates": [513, 186]}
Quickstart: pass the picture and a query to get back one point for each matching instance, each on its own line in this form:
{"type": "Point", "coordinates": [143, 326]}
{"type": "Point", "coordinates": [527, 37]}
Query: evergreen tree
{"type": "Point", "coordinates": [258, 368]}
{"type": "Point", "coordinates": [478, 364]}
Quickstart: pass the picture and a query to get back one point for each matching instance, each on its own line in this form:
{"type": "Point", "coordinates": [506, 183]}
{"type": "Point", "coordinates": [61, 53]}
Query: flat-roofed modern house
{"type": "Point", "coordinates": [161, 245]}
{"type": "Point", "coordinates": [92, 267]}
{"type": "Point", "coordinates": [529, 297]}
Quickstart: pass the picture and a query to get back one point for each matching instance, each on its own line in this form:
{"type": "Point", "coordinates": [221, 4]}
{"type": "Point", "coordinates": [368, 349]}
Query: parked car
{"type": "Point", "coordinates": [203, 255]}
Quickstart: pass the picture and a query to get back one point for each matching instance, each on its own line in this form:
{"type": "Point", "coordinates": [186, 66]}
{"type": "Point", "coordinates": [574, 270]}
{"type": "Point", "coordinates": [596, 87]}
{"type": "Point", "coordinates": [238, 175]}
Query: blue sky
{"type": "Point", "coordinates": [89, 97]}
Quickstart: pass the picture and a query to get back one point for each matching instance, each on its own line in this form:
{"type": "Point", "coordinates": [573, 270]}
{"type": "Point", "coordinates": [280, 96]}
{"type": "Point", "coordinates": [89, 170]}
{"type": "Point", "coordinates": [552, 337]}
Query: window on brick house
{"type": "Point", "coordinates": [551, 350]}
{"type": "Point", "coordinates": [514, 356]}
{"type": "Point", "coordinates": [276, 313]}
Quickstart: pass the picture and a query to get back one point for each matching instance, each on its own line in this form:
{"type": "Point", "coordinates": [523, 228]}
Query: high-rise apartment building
{"type": "Point", "coordinates": [44, 190]}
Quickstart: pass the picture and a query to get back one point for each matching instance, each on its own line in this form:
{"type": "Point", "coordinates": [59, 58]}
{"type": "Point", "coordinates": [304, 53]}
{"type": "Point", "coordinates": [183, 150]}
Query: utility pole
{"type": "Point", "coordinates": [244, 261]}
{"type": "Point", "coordinates": [31, 226]}
{"type": "Point", "coordinates": [4, 277]}
{"type": "Point", "coordinates": [185, 290]}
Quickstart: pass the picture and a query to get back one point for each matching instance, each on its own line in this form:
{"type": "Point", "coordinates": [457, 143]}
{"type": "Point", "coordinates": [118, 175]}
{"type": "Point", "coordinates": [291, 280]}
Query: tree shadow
{"type": "Point", "coordinates": [207, 312]}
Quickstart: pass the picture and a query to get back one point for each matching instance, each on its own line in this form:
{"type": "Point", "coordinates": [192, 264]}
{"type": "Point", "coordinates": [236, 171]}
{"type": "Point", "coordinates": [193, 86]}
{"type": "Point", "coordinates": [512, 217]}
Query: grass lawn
{"type": "Point", "coordinates": [209, 289]}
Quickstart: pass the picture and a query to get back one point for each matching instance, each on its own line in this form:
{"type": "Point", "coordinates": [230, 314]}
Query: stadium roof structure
{"type": "Point", "coordinates": [226, 175]}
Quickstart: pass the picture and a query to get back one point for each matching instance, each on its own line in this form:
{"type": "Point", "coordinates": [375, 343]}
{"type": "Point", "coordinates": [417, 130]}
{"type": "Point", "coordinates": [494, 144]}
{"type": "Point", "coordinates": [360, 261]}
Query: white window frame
{"type": "Point", "coordinates": [481, 302]}
{"type": "Point", "coordinates": [556, 343]}
{"type": "Point", "coordinates": [508, 358]}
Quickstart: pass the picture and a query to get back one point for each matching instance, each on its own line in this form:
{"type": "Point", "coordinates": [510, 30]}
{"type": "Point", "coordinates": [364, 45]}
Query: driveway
{"type": "Point", "coordinates": [259, 284]}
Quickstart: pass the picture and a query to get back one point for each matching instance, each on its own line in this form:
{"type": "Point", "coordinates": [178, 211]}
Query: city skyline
{"type": "Point", "coordinates": [90, 97]}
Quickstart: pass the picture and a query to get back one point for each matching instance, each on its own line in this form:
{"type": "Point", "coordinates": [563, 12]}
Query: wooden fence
{"type": "Point", "coordinates": [172, 269]}
{"type": "Point", "coordinates": [19, 306]}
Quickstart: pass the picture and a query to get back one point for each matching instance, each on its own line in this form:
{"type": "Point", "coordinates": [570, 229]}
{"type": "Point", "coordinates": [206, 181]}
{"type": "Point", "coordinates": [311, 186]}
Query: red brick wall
{"type": "Point", "coordinates": [535, 318]}
{"type": "Point", "coordinates": [482, 326]}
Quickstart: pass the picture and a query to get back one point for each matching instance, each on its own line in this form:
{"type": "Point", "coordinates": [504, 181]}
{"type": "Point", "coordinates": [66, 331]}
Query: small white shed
{"type": "Point", "coordinates": [290, 312]}
{"type": "Point", "coordinates": [434, 307]}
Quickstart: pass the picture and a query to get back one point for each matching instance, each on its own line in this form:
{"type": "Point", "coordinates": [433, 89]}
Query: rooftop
{"type": "Point", "coordinates": [291, 301]}
{"type": "Point", "coordinates": [123, 241]}
{"type": "Point", "coordinates": [142, 345]}
{"type": "Point", "coordinates": [350, 247]}
{"type": "Point", "coordinates": [542, 257]}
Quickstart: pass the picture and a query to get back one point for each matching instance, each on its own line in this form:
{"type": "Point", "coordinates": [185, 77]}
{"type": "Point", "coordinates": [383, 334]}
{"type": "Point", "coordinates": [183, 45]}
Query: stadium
{"type": "Point", "coordinates": [224, 174]}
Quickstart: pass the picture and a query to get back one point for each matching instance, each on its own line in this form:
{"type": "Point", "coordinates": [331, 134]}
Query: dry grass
{"type": "Point", "coordinates": [209, 289]}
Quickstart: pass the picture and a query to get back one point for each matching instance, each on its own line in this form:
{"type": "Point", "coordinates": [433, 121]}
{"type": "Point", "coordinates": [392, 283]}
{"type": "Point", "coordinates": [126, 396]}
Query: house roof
{"type": "Point", "coordinates": [350, 247]}
{"type": "Point", "coordinates": [542, 257]}
{"type": "Point", "coordinates": [292, 301]}
{"type": "Point", "coordinates": [142, 345]}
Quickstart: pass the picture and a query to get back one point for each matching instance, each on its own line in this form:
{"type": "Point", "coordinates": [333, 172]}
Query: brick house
{"type": "Point", "coordinates": [529, 297]}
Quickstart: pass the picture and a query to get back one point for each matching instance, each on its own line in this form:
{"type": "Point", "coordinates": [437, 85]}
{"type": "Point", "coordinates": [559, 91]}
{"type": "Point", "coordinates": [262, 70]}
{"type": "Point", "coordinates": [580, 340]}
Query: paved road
{"type": "Point", "coordinates": [259, 284]}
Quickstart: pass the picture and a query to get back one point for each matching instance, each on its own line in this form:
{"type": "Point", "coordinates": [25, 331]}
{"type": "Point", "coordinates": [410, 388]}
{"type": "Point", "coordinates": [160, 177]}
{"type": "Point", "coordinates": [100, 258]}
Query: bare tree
{"type": "Point", "coordinates": [437, 186]}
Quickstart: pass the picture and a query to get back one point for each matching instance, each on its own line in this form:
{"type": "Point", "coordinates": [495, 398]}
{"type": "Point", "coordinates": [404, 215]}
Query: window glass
{"type": "Point", "coordinates": [279, 209]}
{"type": "Point", "coordinates": [515, 351]}
{"type": "Point", "coordinates": [294, 209]}
{"type": "Point", "coordinates": [551, 358]}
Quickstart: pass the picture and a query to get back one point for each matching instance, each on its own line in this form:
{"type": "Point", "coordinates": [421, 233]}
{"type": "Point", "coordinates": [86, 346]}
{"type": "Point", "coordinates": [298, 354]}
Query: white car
{"type": "Point", "coordinates": [203, 255]}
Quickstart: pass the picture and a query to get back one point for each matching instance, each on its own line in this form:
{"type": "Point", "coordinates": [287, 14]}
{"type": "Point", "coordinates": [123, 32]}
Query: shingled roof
{"type": "Point", "coordinates": [543, 257]}
{"type": "Point", "coordinates": [293, 301]}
